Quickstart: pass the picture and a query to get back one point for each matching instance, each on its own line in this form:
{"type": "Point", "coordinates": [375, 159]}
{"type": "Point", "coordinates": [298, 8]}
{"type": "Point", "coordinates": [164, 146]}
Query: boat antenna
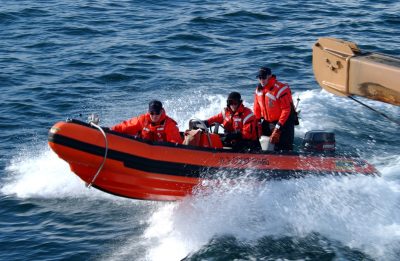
{"type": "Point", "coordinates": [297, 102]}
{"type": "Point", "coordinates": [93, 121]}
{"type": "Point", "coordinates": [372, 109]}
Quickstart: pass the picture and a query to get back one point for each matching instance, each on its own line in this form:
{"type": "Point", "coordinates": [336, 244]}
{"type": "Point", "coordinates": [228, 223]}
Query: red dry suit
{"type": "Point", "coordinates": [142, 126]}
{"type": "Point", "coordinates": [242, 120]}
{"type": "Point", "coordinates": [273, 102]}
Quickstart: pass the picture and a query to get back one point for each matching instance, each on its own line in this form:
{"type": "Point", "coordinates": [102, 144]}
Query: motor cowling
{"type": "Point", "coordinates": [319, 141]}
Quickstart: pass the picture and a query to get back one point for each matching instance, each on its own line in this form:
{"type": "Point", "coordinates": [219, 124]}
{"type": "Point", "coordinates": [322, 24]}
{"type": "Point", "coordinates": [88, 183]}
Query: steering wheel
{"type": "Point", "coordinates": [216, 128]}
{"type": "Point", "coordinates": [197, 124]}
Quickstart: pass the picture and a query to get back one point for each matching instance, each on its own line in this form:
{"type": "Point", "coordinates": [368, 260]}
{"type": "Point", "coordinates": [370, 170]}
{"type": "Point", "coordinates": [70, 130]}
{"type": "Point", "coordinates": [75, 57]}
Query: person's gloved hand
{"type": "Point", "coordinates": [275, 136]}
{"type": "Point", "coordinates": [206, 123]}
{"type": "Point", "coordinates": [259, 127]}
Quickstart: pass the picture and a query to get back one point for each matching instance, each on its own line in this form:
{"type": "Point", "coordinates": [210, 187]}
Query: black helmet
{"type": "Point", "coordinates": [264, 72]}
{"type": "Point", "coordinates": [234, 97]}
{"type": "Point", "coordinates": [155, 106]}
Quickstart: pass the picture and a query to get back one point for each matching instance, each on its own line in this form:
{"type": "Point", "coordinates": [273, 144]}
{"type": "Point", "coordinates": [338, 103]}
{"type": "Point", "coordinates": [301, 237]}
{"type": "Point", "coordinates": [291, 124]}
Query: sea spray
{"type": "Point", "coordinates": [357, 212]}
{"type": "Point", "coordinates": [44, 175]}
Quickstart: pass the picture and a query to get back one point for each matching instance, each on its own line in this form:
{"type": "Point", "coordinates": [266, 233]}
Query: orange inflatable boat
{"type": "Point", "coordinates": [130, 167]}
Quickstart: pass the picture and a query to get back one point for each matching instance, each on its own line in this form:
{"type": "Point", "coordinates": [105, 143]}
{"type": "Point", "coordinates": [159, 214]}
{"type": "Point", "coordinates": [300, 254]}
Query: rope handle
{"type": "Point", "coordinates": [105, 153]}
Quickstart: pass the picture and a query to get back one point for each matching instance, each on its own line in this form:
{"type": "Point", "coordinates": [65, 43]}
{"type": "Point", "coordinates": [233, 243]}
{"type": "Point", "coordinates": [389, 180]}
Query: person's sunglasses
{"type": "Point", "coordinates": [262, 77]}
{"type": "Point", "coordinates": [232, 102]}
{"type": "Point", "coordinates": [154, 113]}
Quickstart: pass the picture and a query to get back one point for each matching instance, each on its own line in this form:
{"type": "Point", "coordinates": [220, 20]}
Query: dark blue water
{"type": "Point", "coordinates": [62, 59]}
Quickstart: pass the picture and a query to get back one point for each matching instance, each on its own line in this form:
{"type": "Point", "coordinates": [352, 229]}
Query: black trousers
{"type": "Point", "coordinates": [287, 132]}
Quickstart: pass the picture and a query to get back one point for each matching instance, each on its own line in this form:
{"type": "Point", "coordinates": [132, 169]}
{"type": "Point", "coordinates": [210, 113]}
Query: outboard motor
{"type": "Point", "coordinates": [319, 141]}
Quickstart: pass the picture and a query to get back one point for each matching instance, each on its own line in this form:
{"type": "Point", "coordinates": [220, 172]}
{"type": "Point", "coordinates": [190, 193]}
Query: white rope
{"type": "Point", "coordinates": [105, 153]}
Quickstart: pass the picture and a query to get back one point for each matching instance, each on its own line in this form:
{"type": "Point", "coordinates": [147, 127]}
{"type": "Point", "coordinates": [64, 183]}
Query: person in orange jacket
{"type": "Point", "coordinates": [239, 124]}
{"type": "Point", "coordinates": [273, 106]}
{"type": "Point", "coordinates": [154, 125]}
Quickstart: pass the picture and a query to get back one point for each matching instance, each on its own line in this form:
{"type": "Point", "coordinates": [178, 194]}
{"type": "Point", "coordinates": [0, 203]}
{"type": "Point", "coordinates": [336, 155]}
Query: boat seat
{"type": "Point", "coordinates": [203, 139]}
{"type": "Point", "coordinates": [214, 138]}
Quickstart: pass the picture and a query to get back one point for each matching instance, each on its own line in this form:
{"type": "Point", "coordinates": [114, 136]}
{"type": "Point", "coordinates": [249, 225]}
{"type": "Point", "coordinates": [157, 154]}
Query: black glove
{"type": "Point", "coordinates": [232, 136]}
{"type": "Point", "coordinates": [206, 123]}
{"type": "Point", "coordinates": [265, 130]}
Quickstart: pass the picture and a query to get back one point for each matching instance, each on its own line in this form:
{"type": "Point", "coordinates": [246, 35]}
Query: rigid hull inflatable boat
{"type": "Point", "coordinates": [131, 167]}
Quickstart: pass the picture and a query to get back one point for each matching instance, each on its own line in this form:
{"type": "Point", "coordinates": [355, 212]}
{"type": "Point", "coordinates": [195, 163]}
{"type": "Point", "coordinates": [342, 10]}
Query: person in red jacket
{"type": "Point", "coordinates": [154, 125]}
{"type": "Point", "coordinates": [239, 124]}
{"type": "Point", "coordinates": [273, 106]}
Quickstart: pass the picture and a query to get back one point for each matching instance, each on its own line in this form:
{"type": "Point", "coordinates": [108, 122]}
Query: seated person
{"type": "Point", "coordinates": [239, 123]}
{"type": "Point", "coordinates": [154, 125]}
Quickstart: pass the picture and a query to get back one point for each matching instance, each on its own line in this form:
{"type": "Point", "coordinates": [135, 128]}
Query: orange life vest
{"type": "Point", "coordinates": [241, 120]}
{"type": "Point", "coordinates": [273, 102]}
{"type": "Point", "coordinates": [142, 126]}
{"type": "Point", "coordinates": [153, 132]}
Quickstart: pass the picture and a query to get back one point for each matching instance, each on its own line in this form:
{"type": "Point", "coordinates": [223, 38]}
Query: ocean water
{"type": "Point", "coordinates": [61, 59]}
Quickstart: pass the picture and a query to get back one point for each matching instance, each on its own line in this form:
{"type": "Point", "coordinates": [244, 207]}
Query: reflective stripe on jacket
{"type": "Point", "coordinates": [273, 102]}
{"type": "Point", "coordinates": [242, 120]}
{"type": "Point", "coordinates": [141, 126]}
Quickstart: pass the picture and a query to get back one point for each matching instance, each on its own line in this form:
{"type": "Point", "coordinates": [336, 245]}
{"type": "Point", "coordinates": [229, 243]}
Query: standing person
{"type": "Point", "coordinates": [154, 125]}
{"type": "Point", "coordinates": [273, 105]}
{"type": "Point", "coordinates": [239, 124]}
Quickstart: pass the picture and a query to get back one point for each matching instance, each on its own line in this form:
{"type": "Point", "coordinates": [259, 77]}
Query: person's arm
{"type": "Point", "coordinates": [285, 99]}
{"type": "Point", "coordinates": [249, 126]}
{"type": "Point", "coordinates": [219, 118]}
{"type": "Point", "coordinates": [131, 126]}
{"type": "Point", "coordinates": [172, 133]}
{"type": "Point", "coordinates": [256, 108]}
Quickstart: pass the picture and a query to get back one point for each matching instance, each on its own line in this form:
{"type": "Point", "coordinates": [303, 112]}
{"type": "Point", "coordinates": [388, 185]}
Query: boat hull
{"type": "Point", "coordinates": [138, 169]}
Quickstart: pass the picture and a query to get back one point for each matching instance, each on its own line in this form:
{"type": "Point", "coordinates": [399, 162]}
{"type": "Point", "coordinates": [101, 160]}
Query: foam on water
{"type": "Point", "coordinates": [359, 212]}
{"type": "Point", "coordinates": [388, 165]}
{"type": "Point", "coordinates": [43, 175]}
